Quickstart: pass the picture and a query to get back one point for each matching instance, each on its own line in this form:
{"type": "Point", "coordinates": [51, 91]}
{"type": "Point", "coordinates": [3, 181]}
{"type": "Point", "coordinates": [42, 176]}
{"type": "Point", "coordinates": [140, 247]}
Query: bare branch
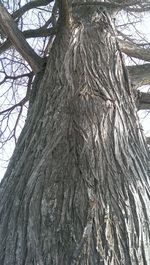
{"type": "Point", "coordinates": [21, 103]}
{"type": "Point", "coordinates": [18, 40]}
{"type": "Point", "coordinates": [109, 5]}
{"type": "Point", "coordinates": [148, 140]}
{"type": "Point", "coordinates": [33, 33]}
{"type": "Point", "coordinates": [139, 74]}
{"type": "Point", "coordinates": [64, 13]}
{"type": "Point", "coordinates": [25, 99]}
{"type": "Point", "coordinates": [139, 9]}
{"type": "Point", "coordinates": [144, 101]}
{"type": "Point", "coordinates": [30, 5]}
{"type": "Point", "coordinates": [14, 77]}
{"type": "Point", "coordinates": [134, 50]}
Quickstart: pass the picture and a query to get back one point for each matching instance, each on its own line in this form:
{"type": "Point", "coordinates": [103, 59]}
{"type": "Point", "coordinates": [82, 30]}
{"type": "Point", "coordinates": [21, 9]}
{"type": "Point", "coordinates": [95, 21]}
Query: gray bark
{"type": "Point", "coordinates": [77, 188]}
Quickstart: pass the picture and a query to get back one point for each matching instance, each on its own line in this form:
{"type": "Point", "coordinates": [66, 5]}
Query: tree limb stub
{"type": "Point", "coordinates": [139, 74]}
{"type": "Point", "coordinates": [144, 101]}
{"type": "Point", "coordinates": [18, 40]}
{"type": "Point", "coordinates": [135, 51]}
{"type": "Point", "coordinates": [148, 140]}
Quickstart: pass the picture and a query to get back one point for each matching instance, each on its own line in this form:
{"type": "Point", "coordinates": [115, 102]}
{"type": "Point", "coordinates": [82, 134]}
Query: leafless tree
{"type": "Point", "coordinates": [77, 188]}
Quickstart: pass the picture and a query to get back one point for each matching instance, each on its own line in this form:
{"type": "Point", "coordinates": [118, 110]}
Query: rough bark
{"type": "Point", "coordinates": [77, 188]}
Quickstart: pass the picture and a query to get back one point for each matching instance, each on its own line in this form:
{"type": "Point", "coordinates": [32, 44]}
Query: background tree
{"type": "Point", "coordinates": [77, 188]}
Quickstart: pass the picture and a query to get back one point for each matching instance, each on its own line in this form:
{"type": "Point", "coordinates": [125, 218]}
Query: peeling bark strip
{"type": "Point", "coordinates": [18, 40]}
{"type": "Point", "coordinates": [77, 188]}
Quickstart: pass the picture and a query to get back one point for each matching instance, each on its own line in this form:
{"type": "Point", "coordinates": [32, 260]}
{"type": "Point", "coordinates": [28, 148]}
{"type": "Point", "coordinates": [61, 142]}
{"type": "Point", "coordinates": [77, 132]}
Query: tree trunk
{"type": "Point", "coordinates": [77, 188]}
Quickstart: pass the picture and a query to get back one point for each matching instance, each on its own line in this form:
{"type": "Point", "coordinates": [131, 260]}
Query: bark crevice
{"type": "Point", "coordinates": [77, 188]}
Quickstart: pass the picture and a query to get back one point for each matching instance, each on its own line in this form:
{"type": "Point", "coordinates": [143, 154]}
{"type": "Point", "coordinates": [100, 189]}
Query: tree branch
{"type": "Point", "coordinates": [21, 103]}
{"type": "Point", "coordinates": [135, 51]}
{"type": "Point", "coordinates": [106, 5]}
{"type": "Point", "coordinates": [27, 96]}
{"type": "Point", "coordinates": [145, 8]}
{"type": "Point", "coordinates": [143, 101]}
{"type": "Point", "coordinates": [64, 13]}
{"type": "Point", "coordinates": [139, 74]}
{"type": "Point", "coordinates": [33, 33]}
{"type": "Point", "coordinates": [33, 4]}
{"type": "Point", "coordinates": [14, 77]}
{"type": "Point", "coordinates": [148, 140]}
{"type": "Point", "coordinates": [18, 40]}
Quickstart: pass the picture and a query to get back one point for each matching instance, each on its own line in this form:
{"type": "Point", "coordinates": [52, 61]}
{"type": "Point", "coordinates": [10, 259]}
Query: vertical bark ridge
{"type": "Point", "coordinates": [77, 188]}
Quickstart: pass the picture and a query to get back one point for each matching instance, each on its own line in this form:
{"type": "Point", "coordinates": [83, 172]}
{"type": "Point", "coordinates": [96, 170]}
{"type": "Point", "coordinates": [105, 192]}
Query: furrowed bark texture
{"type": "Point", "coordinates": [77, 188]}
